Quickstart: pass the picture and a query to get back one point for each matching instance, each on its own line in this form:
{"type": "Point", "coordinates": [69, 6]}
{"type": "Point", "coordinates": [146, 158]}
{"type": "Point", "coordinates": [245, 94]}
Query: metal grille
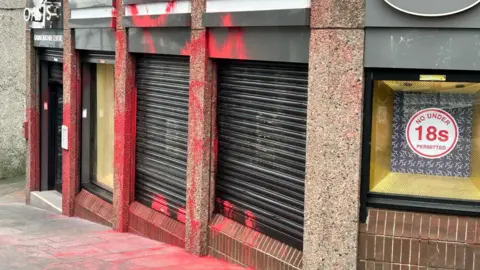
{"type": "Point", "coordinates": [262, 135]}
{"type": "Point", "coordinates": [53, 55]}
{"type": "Point", "coordinates": [162, 128]}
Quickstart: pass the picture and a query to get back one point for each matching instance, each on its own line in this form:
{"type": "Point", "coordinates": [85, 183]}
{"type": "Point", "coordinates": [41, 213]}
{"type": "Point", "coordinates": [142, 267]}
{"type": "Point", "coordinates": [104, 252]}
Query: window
{"type": "Point", "coordinates": [98, 128]}
{"type": "Point", "coordinates": [421, 141]}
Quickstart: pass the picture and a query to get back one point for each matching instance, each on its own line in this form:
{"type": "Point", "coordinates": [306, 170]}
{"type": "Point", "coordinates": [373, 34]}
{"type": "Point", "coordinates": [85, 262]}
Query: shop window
{"type": "Point", "coordinates": [98, 129]}
{"type": "Point", "coordinates": [422, 142]}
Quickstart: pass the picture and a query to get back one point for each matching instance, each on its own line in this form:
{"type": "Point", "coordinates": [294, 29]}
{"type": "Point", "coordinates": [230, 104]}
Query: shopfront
{"type": "Point", "coordinates": [421, 123]}
{"type": "Point", "coordinates": [46, 23]}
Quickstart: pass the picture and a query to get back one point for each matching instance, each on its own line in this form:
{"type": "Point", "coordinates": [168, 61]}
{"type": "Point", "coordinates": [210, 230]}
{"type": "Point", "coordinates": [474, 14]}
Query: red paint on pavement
{"type": "Point", "coordinates": [160, 204]}
{"type": "Point", "coordinates": [149, 20]}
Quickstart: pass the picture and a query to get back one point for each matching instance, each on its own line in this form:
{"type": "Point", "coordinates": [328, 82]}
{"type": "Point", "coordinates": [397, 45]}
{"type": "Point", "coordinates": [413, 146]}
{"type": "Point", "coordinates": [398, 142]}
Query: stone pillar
{"type": "Point", "coordinates": [32, 118]}
{"type": "Point", "coordinates": [125, 111]}
{"type": "Point", "coordinates": [199, 137]}
{"type": "Point", "coordinates": [335, 104]}
{"type": "Point", "coordinates": [71, 116]}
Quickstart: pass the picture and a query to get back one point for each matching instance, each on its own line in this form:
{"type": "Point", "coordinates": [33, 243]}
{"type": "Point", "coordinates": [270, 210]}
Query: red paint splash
{"type": "Point", "coordinates": [148, 44]}
{"type": "Point", "coordinates": [181, 214]}
{"type": "Point", "coordinates": [160, 204]}
{"type": "Point", "coordinates": [250, 219]}
{"type": "Point", "coordinates": [234, 46]}
{"type": "Point", "coordinates": [194, 46]}
{"type": "Point", "coordinates": [221, 226]}
{"type": "Point", "coordinates": [227, 20]}
{"type": "Point", "coordinates": [228, 209]}
{"type": "Point", "coordinates": [113, 21]}
{"type": "Point", "coordinates": [149, 20]}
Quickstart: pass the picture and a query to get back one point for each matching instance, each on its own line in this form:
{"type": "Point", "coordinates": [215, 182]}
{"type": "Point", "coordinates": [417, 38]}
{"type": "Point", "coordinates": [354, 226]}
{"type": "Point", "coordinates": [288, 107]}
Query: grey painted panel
{"type": "Point", "coordinates": [48, 38]}
{"type": "Point", "coordinates": [73, 4]}
{"type": "Point", "coordinates": [283, 44]}
{"type": "Point", "coordinates": [380, 14]}
{"type": "Point", "coordinates": [92, 23]}
{"type": "Point", "coordinates": [286, 17]}
{"type": "Point", "coordinates": [102, 39]}
{"type": "Point", "coordinates": [158, 40]}
{"type": "Point", "coordinates": [423, 49]}
{"type": "Point", "coordinates": [171, 20]}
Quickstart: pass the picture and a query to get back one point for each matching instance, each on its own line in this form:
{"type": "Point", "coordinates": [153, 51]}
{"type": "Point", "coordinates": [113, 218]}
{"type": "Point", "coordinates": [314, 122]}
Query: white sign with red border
{"type": "Point", "coordinates": [432, 133]}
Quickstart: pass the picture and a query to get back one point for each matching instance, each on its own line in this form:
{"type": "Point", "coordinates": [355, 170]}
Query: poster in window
{"type": "Point", "coordinates": [440, 146]}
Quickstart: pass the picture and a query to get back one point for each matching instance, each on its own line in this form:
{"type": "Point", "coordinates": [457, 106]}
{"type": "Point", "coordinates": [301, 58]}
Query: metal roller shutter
{"type": "Point", "coordinates": [56, 72]}
{"type": "Point", "coordinates": [162, 129]}
{"type": "Point", "coordinates": [52, 55]}
{"type": "Point", "coordinates": [58, 140]}
{"type": "Point", "coordinates": [98, 57]}
{"type": "Point", "coordinates": [262, 113]}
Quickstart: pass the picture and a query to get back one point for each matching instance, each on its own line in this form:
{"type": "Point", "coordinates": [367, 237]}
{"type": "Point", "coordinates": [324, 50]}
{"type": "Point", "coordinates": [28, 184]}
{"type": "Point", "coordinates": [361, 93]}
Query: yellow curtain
{"type": "Point", "coordinates": [105, 124]}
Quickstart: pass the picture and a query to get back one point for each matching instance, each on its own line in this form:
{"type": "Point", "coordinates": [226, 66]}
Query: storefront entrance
{"type": "Point", "coordinates": [51, 118]}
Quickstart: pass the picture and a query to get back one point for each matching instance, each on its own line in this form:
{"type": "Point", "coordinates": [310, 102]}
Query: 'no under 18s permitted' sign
{"type": "Point", "coordinates": [432, 133]}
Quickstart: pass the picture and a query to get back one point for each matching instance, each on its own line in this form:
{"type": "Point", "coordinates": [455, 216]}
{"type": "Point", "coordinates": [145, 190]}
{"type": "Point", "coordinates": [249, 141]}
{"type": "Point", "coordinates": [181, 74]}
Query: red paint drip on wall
{"type": "Point", "coordinates": [227, 20]}
{"type": "Point", "coordinates": [148, 44]}
{"type": "Point", "coordinates": [228, 209]}
{"type": "Point", "coordinates": [149, 20]}
{"type": "Point", "coordinates": [233, 47]}
{"type": "Point", "coordinates": [250, 219]}
{"type": "Point", "coordinates": [181, 214]}
{"type": "Point", "coordinates": [160, 204]}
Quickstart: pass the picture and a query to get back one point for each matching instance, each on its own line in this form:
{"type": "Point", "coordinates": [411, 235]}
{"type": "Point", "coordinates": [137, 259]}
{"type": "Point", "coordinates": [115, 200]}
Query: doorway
{"type": "Point", "coordinates": [51, 119]}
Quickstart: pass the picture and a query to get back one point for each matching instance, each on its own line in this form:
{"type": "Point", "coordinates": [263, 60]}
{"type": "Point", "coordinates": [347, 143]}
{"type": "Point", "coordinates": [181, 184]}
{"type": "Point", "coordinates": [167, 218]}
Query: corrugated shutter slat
{"type": "Point", "coordinates": [262, 112]}
{"type": "Point", "coordinates": [162, 131]}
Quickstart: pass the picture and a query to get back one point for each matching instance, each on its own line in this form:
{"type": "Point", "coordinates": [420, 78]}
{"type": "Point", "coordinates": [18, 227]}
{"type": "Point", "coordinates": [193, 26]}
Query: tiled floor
{"type": "Point", "coordinates": [33, 239]}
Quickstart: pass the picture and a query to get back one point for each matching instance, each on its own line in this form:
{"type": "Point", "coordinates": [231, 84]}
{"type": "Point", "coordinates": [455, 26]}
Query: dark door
{"type": "Point", "coordinates": [51, 119]}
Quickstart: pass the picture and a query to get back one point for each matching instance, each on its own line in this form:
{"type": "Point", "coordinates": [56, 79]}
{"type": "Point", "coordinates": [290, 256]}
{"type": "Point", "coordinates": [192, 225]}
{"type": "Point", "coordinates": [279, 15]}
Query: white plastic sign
{"type": "Point", "coordinates": [432, 133]}
{"type": "Point", "coordinates": [65, 137]}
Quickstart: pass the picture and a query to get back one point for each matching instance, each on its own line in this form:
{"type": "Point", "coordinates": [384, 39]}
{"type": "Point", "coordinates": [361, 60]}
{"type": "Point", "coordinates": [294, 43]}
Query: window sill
{"type": "Point", "coordinates": [99, 191]}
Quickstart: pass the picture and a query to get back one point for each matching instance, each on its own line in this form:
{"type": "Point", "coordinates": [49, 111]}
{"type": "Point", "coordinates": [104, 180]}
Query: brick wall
{"type": "Point", "coordinates": [407, 240]}
{"type": "Point", "coordinates": [91, 207]}
{"type": "Point", "coordinates": [147, 222]}
{"type": "Point", "coordinates": [239, 244]}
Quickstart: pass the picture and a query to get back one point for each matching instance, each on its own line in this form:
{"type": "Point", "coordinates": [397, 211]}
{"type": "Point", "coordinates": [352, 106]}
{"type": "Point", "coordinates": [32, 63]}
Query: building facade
{"type": "Point", "coordinates": [273, 134]}
{"type": "Point", "coordinates": [12, 89]}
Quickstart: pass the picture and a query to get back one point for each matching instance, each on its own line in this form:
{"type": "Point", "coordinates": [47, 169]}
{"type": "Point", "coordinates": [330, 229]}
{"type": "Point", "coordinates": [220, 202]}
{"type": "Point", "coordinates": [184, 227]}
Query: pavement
{"type": "Point", "coordinates": [31, 239]}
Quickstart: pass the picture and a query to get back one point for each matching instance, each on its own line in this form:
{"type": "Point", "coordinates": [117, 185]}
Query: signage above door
{"type": "Point", "coordinates": [432, 8]}
{"type": "Point", "coordinates": [43, 13]}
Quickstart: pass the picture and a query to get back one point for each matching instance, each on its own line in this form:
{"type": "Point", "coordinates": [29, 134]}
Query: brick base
{"type": "Point", "coordinates": [147, 222]}
{"type": "Point", "coordinates": [236, 243]}
{"type": "Point", "coordinates": [405, 240]}
{"type": "Point", "coordinates": [91, 207]}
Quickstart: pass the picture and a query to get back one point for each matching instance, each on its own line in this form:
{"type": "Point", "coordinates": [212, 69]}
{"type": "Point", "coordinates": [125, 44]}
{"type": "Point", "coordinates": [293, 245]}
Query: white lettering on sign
{"type": "Point", "coordinates": [432, 133]}
{"type": "Point", "coordinates": [53, 38]}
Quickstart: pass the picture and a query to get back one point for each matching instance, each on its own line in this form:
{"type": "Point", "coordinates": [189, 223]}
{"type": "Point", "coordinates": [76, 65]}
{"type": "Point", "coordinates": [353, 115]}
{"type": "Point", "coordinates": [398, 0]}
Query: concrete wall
{"type": "Point", "coordinates": [12, 88]}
